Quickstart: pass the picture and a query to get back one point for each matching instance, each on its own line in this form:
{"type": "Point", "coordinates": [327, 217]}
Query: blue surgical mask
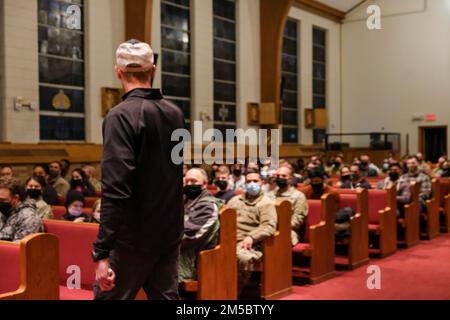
{"type": "Point", "coordinates": [264, 175]}
{"type": "Point", "coordinates": [253, 189]}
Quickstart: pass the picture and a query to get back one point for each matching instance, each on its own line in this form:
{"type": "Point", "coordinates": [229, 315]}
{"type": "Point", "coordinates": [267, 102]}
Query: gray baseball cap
{"type": "Point", "coordinates": [134, 56]}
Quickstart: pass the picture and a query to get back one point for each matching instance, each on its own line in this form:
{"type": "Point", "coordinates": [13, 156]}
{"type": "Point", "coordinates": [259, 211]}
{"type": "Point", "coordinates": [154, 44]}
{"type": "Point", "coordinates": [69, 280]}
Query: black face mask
{"type": "Point", "coordinates": [222, 184]}
{"type": "Point", "coordinates": [364, 164]}
{"type": "Point", "coordinates": [34, 193]}
{"type": "Point", "coordinates": [237, 172]}
{"type": "Point", "coordinates": [317, 187]}
{"type": "Point", "coordinates": [282, 183]}
{"type": "Point", "coordinates": [346, 178]}
{"type": "Point", "coordinates": [53, 174]}
{"type": "Point", "coordinates": [193, 191]}
{"type": "Point", "coordinates": [76, 183]}
{"type": "Point", "coordinates": [355, 177]}
{"type": "Point", "coordinates": [393, 176]}
{"type": "Point", "coordinates": [5, 208]}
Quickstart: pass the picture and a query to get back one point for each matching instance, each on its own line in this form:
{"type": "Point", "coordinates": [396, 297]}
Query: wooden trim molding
{"type": "Point", "coordinates": [138, 20]}
{"type": "Point", "coordinates": [320, 9]}
{"type": "Point", "coordinates": [273, 16]}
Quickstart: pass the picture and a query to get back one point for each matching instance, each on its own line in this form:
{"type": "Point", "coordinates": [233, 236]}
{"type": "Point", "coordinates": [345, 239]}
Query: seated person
{"type": "Point", "coordinates": [201, 222]}
{"type": "Point", "coordinates": [368, 169]}
{"type": "Point", "coordinates": [416, 175]}
{"type": "Point", "coordinates": [75, 205]}
{"type": "Point", "coordinates": [317, 187]}
{"type": "Point", "coordinates": [17, 219]}
{"type": "Point", "coordinates": [49, 194]}
{"type": "Point", "coordinates": [81, 184]}
{"type": "Point", "coordinates": [7, 172]}
{"type": "Point", "coordinates": [96, 209]}
{"type": "Point", "coordinates": [34, 187]}
{"type": "Point", "coordinates": [345, 177]}
{"type": "Point", "coordinates": [285, 191]}
{"type": "Point", "coordinates": [237, 180]}
{"type": "Point", "coordinates": [256, 221]}
{"type": "Point", "coordinates": [57, 181]}
{"type": "Point", "coordinates": [90, 173]}
{"type": "Point", "coordinates": [423, 166]}
{"type": "Point", "coordinates": [357, 180]}
{"type": "Point", "coordinates": [402, 187]}
{"type": "Point", "coordinates": [222, 178]}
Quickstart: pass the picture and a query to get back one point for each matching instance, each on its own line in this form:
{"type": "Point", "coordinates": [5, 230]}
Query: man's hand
{"type": "Point", "coordinates": [79, 220]}
{"type": "Point", "coordinates": [105, 276]}
{"type": "Point", "coordinates": [247, 243]}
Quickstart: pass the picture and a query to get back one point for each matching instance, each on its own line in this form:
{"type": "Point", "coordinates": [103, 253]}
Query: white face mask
{"type": "Point", "coordinates": [75, 212]}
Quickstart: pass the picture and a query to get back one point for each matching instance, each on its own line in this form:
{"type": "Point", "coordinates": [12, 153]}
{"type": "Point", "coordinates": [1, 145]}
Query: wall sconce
{"type": "Point", "coordinates": [21, 103]}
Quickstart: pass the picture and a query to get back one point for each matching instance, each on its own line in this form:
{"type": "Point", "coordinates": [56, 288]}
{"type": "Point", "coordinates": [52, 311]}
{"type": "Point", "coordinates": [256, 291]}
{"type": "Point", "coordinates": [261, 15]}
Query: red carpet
{"type": "Point", "coordinates": [419, 273]}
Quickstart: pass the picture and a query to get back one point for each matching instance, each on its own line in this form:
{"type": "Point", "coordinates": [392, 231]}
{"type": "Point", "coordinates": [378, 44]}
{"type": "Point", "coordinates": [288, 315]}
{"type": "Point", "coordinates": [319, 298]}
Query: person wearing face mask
{"type": "Point", "coordinates": [222, 179]}
{"type": "Point", "coordinates": [445, 170]}
{"type": "Point", "coordinates": [201, 222]}
{"type": "Point", "coordinates": [345, 177]}
{"type": "Point", "coordinates": [257, 220]}
{"type": "Point", "coordinates": [237, 179]}
{"type": "Point", "coordinates": [81, 183]}
{"type": "Point", "coordinates": [75, 207]}
{"type": "Point", "coordinates": [415, 175]}
{"type": "Point", "coordinates": [56, 181]}
{"type": "Point", "coordinates": [317, 188]}
{"type": "Point", "coordinates": [402, 187]}
{"type": "Point", "coordinates": [285, 191]}
{"type": "Point", "coordinates": [17, 219]}
{"type": "Point", "coordinates": [368, 169]}
{"type": "Point", "coordinates": [34, 189]}
{"type": "Point", "coordinates": [49, 194]}
{"type": "Point", "coordinates": [357, 180]}
{"type": "Point", "coordinates": [442, 166]}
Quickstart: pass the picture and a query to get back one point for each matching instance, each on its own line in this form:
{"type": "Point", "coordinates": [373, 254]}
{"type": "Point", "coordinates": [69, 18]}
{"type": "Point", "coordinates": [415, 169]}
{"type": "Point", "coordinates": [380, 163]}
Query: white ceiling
{"type": "Point", "coordinates": [341, 5]}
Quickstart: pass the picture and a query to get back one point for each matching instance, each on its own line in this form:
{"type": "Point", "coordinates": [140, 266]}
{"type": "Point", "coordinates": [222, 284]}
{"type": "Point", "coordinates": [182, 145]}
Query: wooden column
{"type": "Point", "coordinates": [138, 20]}
{"type": "Point", "coordinates": [274, 15]}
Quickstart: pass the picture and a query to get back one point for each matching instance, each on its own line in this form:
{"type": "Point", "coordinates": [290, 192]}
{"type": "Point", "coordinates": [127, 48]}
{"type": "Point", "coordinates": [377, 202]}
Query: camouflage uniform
{"type": "Point", "coordinates": [201, 232]}
{"type": "Point", "coordinates": [256, 218]}
{"type": "Point", "coordinates": [299, 209]}
{"type": "Point", "coordinates": [22, 222]}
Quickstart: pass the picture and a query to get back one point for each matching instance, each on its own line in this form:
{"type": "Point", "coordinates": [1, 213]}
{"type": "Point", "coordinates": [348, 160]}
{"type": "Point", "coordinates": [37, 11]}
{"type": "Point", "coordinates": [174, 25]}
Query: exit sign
{"type": "Point", "coordinates": [431, 117]}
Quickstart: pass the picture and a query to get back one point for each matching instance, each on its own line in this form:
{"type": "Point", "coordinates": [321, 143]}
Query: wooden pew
{"type": "Point", "coordinates": [276, 276]}
{"type": "Point", "coordinates": [358, 242]}
{"type": "Point", "coordinates": [318, 239]}
{"type": "Point", "coordinates": [75, 247]}
{"type": "Point", "coordinates": [29, 269]}
{"type": "Point", "coordinates": [431, 217]}
{"type": "Point", "coordinates": [217, 268]}
{"type": "Point", "coordinates": [383, 219]}
{"type": "Point", "coordinates": [444, 202]}
{"type": "Point", "coordinates": [409, 225]}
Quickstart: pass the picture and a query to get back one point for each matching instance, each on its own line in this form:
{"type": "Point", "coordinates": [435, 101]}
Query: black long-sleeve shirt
{"type": "Point", "coordinates": [142, 188]}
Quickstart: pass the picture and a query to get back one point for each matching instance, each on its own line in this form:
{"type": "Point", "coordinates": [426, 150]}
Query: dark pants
{"type": "Point", "coordinates": [157, 275]}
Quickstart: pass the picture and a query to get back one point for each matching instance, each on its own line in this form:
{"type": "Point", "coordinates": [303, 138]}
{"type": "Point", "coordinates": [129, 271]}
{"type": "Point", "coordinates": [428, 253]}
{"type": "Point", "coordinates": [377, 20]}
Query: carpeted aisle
{"type": "Point", "coordinates": [419, 273]}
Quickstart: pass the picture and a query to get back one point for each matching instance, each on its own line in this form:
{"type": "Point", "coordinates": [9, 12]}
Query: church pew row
{"type": "Point", "coordinates": [318, 240]}
{"type": "Point", "coordinates": [29, 269]}
{"type": "Point", "coordinates": [358, 241]}
{"type": "Point", "coordinates": [75, 247]}
{"type": "Point", "coordinates": [443, 196]}
{"type": "Point", "coordinates": [409, 225]}
{"type": "Point", "coordinates": [217, 267]}
{"type": "Point", "coordinates": [383, 219]}
{"type": "Point", "coordinates": [431, 218]}
{"type": "Point", "coordinates": [276, 273]}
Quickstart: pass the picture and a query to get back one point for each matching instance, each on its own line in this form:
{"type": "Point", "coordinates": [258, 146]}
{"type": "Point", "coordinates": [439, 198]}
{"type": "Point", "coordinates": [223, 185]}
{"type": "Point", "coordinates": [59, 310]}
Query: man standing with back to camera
{"type": "Point", "coordinates": [142, 189]}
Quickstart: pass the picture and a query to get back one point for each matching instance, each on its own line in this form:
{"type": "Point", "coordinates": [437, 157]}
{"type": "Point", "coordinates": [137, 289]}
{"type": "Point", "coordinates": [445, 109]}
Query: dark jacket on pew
{"type": "Point", "coordinates": [142, 199]}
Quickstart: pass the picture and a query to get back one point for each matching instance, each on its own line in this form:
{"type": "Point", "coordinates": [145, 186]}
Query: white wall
{"type": "Point", "coordinates": [307, 21]}
{"type": "Point", "coordinates": [104, 32]}
{"type": "Point", "coordinates": [404, 69]}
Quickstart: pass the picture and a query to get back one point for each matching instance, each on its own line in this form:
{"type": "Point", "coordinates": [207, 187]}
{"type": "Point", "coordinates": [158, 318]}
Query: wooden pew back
{"type": "Point", "coordinates": [76, 241]}
{"type": "Point", "coordinates": [217, 268]}
{"type": "Point", "coordinates": [410, 223]}
{"type": "Point", "coordinates": [36, 260]}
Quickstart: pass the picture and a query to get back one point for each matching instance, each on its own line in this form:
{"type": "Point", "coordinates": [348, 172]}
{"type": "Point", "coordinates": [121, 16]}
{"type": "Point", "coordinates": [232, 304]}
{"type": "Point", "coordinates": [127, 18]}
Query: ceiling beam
{"type": "Point", "coordinates": [320, 9]}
